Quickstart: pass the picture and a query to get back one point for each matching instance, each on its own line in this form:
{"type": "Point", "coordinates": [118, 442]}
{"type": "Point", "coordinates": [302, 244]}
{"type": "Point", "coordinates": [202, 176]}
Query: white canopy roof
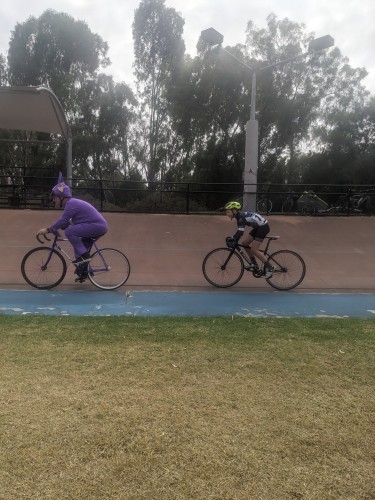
{"type": "Point", "coordinates": [32, 108]}
{"type": "Point", "coordinates": [37, 109]}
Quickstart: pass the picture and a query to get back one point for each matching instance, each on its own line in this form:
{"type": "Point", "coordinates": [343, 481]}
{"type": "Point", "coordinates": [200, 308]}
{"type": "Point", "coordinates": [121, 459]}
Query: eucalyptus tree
{"type": "Point", "coordinates": [101, 127]}
{"type": "Point", "coordinates": [57, 51]}
{"type": "Point", "coordinates": [209, 117]}
{"type": "Point", "coordinates": [347, 152]}
{"type": "Point", "coordinates": [300, 101]}
{"type": "Point", "coordinates": [3, 70]}
{"type": "Point", "coordinates": [293, 100]}
{"type": "Point", "coordinates": [158, 51]}
{"type": "Point", "coordinates": [62, 53]}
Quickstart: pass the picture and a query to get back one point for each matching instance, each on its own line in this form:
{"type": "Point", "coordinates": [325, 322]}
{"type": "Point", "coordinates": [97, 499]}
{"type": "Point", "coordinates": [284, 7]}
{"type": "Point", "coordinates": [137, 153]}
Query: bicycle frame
{"type": "Point", "coordinates": [55, 245]}
{"type": "Point", "coordinates": [244, 254]}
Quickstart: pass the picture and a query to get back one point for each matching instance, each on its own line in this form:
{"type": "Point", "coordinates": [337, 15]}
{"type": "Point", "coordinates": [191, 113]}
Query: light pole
{"type": "Point", "coordinates": [250, 173]}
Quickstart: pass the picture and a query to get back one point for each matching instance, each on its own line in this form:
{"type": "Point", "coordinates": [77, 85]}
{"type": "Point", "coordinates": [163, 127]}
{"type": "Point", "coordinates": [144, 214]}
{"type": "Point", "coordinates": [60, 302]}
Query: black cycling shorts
{"type": "Point", "coordinates": [259, 233]}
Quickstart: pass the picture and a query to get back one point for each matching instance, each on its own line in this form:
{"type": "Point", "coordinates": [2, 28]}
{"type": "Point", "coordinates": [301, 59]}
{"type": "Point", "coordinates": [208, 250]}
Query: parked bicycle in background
{"type": "Point", "coordinates": [264, 203]}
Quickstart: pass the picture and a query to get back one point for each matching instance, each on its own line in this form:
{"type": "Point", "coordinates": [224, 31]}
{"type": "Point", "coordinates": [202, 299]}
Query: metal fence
{"type": "Point", "coordinates": [108, 195]}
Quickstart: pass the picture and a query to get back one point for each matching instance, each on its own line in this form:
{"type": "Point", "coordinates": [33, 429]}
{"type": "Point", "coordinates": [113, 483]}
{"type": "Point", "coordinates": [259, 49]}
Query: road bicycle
{"type": "Point", "coordinates": [224, 267]}
{"type": "Point", "coordinates": [46, 267]}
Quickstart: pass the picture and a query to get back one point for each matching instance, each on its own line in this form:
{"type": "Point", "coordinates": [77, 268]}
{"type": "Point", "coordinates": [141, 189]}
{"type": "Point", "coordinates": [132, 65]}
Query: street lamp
{"type": "Point", "coordinates": [250, 173]}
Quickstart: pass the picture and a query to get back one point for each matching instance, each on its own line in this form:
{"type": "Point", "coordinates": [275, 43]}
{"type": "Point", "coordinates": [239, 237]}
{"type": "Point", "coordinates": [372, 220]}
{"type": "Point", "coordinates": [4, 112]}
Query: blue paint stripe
{"type": "Point", "coordinates": [223, 303]}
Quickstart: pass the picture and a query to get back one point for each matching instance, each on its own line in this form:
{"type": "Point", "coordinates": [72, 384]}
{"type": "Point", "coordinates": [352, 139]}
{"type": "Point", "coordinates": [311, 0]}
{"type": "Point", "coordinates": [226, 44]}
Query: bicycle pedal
{"type": "Point", "coordinates": [258, 273]}
{"type": "Point", "coordinates": [81, 279]}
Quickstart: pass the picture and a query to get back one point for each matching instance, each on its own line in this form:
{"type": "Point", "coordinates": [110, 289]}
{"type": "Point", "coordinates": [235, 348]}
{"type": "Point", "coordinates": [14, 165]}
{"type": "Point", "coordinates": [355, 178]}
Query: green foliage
{"type": "Point", "coordinates": [164, 202]}
{"type": "Point", "coordinates": [158, 49]}
{"type": "Point", "coordinates": [187, 121]}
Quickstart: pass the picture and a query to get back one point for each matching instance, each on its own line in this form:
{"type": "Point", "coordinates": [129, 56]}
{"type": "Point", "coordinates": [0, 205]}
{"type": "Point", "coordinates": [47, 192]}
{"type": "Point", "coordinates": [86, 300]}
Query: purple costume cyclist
{"type": "Point", "coordinates": [80, 220]}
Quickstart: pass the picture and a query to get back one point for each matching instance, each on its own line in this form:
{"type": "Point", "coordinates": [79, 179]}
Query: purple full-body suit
{"type": "Point", "coordinates": [80, 220]}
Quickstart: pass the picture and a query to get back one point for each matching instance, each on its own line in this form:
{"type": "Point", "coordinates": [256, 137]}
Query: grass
{"type": "Point", "coordinates": [208, 408]}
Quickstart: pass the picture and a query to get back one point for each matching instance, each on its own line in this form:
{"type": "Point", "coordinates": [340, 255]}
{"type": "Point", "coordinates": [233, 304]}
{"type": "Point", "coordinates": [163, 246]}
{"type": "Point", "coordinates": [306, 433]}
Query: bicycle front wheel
{"type": "Point", "coordinates": [223, 268]}
{"type": "Point", "coordinates": [108, 269]}
{"type": "Point", "coordinates": [43, 268]}
{"type": "Point", "coordinates": [290, 269]}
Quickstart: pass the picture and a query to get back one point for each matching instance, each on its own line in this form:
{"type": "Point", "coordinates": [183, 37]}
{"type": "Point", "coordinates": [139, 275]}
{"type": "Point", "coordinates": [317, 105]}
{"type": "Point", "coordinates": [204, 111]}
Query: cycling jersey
{"type": "Point", "coordinates": [248, 219]}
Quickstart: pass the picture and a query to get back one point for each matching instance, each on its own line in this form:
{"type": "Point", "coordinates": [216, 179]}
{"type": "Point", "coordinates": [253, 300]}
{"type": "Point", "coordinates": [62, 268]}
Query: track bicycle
{"type": "Point", "coordinates": [46, 267]}
{"type": "Point", "coordinates": [224, 267]}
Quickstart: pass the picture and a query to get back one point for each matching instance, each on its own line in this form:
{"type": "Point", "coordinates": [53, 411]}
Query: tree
{"type": "Point", "coordinates": [347, 152]}
{"type": "Point", "coordinates": [57, 51]}
{"type": "Point", "coordinates": [159, 50]}
{"type": "Point", "coordinates": [296, 99]}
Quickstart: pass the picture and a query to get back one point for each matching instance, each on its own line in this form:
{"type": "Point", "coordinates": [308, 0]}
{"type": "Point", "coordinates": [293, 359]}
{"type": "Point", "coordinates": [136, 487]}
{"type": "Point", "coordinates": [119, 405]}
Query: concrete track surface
{"type": "Point", "coordinates": [166, 251]}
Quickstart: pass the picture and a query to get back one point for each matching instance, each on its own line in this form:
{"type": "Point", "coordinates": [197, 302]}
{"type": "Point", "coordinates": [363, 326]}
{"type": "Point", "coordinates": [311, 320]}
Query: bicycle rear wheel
{"type": "Point", "coordinates": [222, 269]}
{"type": "Point", "coordinates": [108, 269]}
{"type": "Point", "coordinates": [290, 269]}
{"type": "Point", "coordinates": [43, 268]}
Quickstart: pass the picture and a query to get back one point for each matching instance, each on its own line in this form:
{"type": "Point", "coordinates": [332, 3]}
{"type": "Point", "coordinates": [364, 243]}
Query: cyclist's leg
{"type": "Point", "coordinates": [246, 242]}
{"type": "Point", "coordinates": [80, 236]}
{"type": "Point", "coordinates": [258, 234]}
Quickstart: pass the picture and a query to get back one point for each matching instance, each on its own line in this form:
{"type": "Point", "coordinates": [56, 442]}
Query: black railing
{"type": "Point", "coordinates": [191, 197]}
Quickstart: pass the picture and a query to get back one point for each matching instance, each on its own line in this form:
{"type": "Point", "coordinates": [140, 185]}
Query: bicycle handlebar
{"type": "Point", "coordinates": [56, 235]}
{"type": "Point", "coordinates": [41, 241]}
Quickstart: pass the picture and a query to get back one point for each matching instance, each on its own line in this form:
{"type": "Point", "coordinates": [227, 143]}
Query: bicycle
{"type": "Point", "coordinates": [46, 267]}
{"type": "Point", "coordinates": [353, 203]}
{"type": "Point", "coordinates": [224, 267]}
{"type": "Point", "coordinates": [264, 204]}
{"type": "Point", "coordinates": [289, 202]}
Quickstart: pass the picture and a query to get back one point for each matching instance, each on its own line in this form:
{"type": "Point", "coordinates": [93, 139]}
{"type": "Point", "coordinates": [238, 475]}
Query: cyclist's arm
{"type": "Point", "coordinates": [61, 223]}
{"type": "Point", "coordinates": [241, 223]}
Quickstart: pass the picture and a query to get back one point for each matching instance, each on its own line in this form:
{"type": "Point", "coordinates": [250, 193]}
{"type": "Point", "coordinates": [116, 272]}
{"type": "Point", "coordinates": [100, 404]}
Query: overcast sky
{"type": "Point", "coordinates": [349, 22]}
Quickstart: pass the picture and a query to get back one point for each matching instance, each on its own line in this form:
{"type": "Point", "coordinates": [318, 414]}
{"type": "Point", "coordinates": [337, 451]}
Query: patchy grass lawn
{"type": "Point", "coordinates": [162, 408]}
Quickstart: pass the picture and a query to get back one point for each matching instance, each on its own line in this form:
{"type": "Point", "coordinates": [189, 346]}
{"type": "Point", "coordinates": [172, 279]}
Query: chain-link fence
{"type": "Point", "coordinates": [33, 192]}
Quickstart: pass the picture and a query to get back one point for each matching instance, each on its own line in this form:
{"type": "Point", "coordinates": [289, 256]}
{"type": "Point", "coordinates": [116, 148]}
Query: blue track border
{"type": "Point", "coordinates": [203, 303]}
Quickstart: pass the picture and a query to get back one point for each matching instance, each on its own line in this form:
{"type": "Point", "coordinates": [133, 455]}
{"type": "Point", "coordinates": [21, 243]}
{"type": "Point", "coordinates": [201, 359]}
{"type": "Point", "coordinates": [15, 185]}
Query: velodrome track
{"type": "Point", "coordinates": [166, 254]}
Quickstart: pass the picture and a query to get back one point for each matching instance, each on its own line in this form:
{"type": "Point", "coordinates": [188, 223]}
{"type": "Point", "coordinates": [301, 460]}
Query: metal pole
{"type": "Point", "coordinates": [250, 174]}
{"type": "Point", "coordinates": [69, 155]}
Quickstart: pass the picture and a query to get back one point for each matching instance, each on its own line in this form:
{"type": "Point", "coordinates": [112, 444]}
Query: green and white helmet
{"type": "Point", "coordinates": [233, 204]}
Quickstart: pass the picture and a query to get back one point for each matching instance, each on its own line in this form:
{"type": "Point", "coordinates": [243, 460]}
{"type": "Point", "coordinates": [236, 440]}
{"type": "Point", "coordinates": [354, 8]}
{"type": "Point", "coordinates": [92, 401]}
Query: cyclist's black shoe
{"type": "Point", "coordinates": [85, 257]}
{"type": "Point", "coordinates": [268, 271]}
{"type": "Point", "coordinates": [81, 278]}
{"type": "Point", "coordinates": [252, 267]}
{"type": "Point", "coordinates": [81, 268]}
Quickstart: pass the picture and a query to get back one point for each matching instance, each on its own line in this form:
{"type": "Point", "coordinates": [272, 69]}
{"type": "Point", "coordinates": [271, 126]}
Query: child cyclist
{"type": "Point", "coordinates": [81, 222]}
{"type": "Point", "coordinates": [252, 242]}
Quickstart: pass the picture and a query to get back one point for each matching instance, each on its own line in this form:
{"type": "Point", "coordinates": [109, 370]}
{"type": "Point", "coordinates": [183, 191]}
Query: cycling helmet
{"type": "Point", "coordinates": [233, 204]}
{"type": "Point", "coordinates": [61, 189]}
